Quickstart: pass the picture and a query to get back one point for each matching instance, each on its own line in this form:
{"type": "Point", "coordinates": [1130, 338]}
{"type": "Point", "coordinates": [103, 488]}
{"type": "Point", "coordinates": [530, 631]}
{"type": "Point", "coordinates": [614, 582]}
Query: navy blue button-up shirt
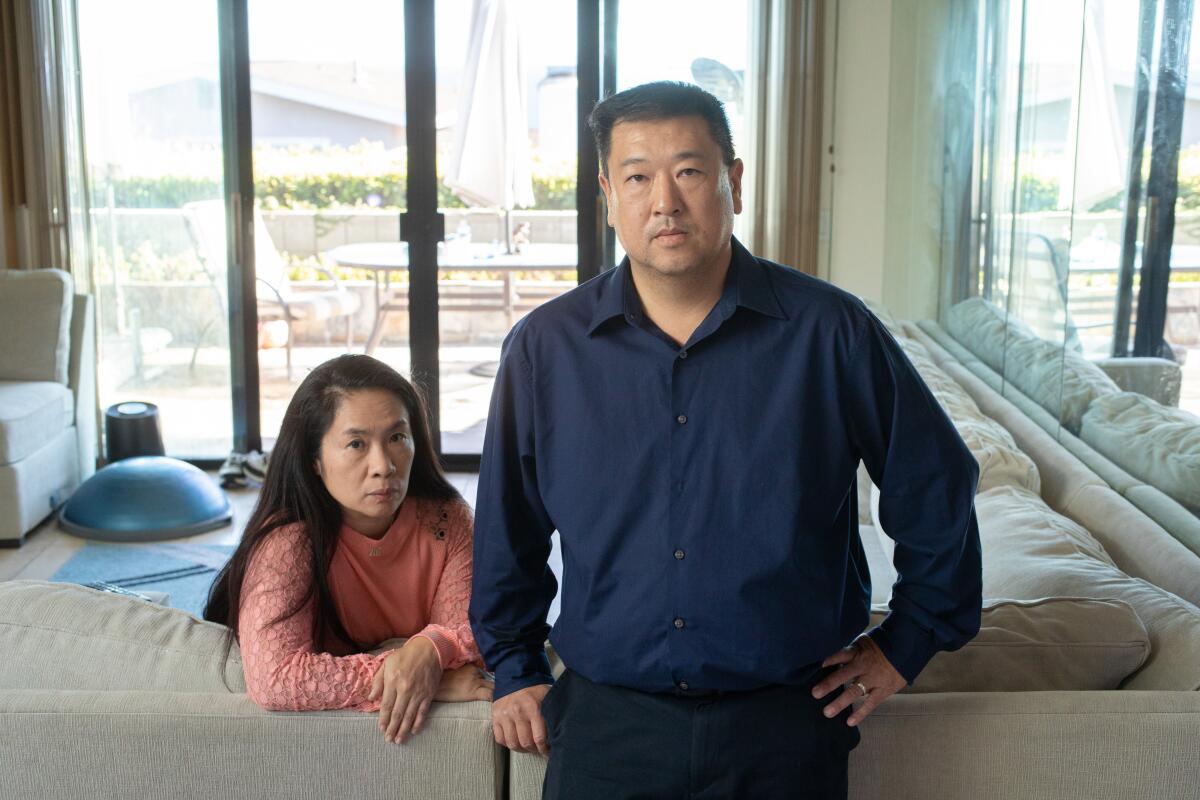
{"type": "Point", "coordinates": [705, 494]}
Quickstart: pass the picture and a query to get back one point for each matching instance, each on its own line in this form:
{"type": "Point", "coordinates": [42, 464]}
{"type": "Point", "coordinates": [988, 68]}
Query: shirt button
{"type": "Point", "coordinates": [679, 554]}
{"type": "Point", "coordinates": [681, 419]}
{"type": "Point", "coordinates": [683, 685]}
{"type": "Point", "coordinates": [683, 353]}
{"type": "Point", "coordinates": [678, 622]}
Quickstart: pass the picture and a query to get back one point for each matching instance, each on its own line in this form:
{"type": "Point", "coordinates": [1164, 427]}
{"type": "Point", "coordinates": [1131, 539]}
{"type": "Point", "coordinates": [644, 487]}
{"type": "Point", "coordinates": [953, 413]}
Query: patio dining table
{"type": "Point", "coordinates": [385, 258]}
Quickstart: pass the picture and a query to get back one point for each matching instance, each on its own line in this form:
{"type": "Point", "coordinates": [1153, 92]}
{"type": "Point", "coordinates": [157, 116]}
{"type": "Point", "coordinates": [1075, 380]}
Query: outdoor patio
{"type": "Point", "coordinates": [194, 401]}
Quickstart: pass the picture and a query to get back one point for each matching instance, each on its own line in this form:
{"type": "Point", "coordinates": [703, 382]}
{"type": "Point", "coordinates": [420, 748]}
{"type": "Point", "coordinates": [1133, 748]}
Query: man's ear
{"type": "Point", "coordinates": [735, 183]}
{"type": "Point", "coordinates": [607, 198]}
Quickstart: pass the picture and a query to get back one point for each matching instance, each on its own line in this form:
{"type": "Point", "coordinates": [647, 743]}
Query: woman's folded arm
{"type": "Point", "coordinates": [283, 670]}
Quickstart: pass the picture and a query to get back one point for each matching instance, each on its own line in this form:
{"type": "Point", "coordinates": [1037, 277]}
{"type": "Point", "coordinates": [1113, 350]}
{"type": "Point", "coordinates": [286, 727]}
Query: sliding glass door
{"type": "Point", "coordinates": [507, 159]}
{"type": "Point", "coordinates": [1086, 186]}
{"type": "Point", "coordinates": [272, 184]}
{"type": "Point", "coordinates": [329, 153]}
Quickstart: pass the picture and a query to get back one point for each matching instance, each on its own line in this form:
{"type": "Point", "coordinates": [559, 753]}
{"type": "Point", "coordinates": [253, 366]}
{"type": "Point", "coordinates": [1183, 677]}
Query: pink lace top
{"type": "Point", "coordinates": [414, 581]}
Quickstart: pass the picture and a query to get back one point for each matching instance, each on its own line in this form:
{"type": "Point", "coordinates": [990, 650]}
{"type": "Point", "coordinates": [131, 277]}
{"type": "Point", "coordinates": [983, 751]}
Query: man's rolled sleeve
{"type": "Point", "coordinates": [927, 480]}
{"type": "Point", "coordinates": [512, 585]}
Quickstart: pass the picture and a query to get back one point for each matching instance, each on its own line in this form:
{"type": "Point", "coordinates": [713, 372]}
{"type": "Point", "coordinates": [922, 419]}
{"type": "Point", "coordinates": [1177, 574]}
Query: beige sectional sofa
{"type": "Point", "coordinates": [1081, 684]}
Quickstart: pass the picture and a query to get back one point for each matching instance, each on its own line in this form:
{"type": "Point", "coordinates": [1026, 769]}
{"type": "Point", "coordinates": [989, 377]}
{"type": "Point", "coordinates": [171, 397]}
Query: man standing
{"type": "Point", "coordinates": [691, 423]}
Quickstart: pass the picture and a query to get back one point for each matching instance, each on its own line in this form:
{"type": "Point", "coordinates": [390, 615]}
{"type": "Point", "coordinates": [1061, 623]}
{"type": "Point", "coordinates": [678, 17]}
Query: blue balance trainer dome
{"type": "Point", "coordinates": [145, 499]}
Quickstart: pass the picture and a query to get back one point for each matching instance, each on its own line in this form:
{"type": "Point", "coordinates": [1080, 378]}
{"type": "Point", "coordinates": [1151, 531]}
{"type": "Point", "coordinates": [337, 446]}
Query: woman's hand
{"type": "Point", "coordinates": [464, 684]}
{"type": "Point", "coordinates": [405, 685]}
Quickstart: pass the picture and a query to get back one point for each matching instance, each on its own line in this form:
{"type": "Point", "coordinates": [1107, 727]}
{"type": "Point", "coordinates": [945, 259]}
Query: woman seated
{"type": "Point", "coordinates": [357, 539]}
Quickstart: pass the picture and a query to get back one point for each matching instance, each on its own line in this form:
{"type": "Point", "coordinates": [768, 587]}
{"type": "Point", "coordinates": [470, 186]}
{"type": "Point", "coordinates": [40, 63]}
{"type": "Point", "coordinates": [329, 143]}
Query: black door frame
{"type": "Point", "coordinates": [233, 32]}
{"type": "Point", "coordinates": [1162, 186]}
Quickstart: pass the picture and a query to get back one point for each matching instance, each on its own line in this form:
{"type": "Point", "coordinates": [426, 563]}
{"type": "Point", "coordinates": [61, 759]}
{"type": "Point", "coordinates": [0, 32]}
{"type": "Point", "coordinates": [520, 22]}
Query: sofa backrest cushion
{"type": "Point", "coordinates": [35, 325]}
{"type": "Point", "coordinates": [1030, 552]}
{"type": "Point", "coordinates": [1001, 462]}
{"type": "Point", "coordinates": [1060, 381]}
{"type": "Point", "coordinates": [986, 329]}
{"type": "Point", "coordinates": [1157, 443]}
{"type": "Point", "coordinates": [64, 636]}
{"type": "Point", "coordinates": [1053, 644]}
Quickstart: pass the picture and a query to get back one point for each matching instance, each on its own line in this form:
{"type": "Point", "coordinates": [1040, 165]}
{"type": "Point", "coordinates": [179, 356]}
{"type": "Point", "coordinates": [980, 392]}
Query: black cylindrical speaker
{"type": "Point", "coordinates": [132, 429]}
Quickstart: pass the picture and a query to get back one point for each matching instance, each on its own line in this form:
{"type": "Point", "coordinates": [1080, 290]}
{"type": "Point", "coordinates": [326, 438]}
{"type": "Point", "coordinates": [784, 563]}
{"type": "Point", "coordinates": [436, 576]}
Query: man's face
{"type": "Point", "coordinates": [670, 197]}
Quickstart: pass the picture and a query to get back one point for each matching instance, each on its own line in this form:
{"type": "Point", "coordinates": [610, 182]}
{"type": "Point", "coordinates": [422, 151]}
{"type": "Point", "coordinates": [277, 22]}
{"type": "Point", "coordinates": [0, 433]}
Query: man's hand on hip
{"type": "Point", "coordinates": [517, 721]}
{"type": "Point", "coordinates": [865, 673]}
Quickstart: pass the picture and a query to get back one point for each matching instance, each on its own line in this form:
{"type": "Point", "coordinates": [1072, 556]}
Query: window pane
{"type": "Point", "coordinates": [713, 56]}
{"type": "Point", "coordinates": [327, 99]}
{"type": "Point", "coordinates": [152, 123]}
{"type": "Point", "coordinates": [507, 161]}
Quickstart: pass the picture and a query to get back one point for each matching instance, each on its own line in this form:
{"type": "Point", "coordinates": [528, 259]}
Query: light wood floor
{"type": "Point", "coordinates": [48, 547]}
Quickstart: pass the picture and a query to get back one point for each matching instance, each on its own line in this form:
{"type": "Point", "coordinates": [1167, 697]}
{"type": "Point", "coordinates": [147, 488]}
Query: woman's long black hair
{"type": "Point", "coordinates": [293, 492]}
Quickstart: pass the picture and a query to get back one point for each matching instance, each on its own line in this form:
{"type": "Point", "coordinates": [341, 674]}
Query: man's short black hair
{"type": "Point", "coordinates": [659, 100]}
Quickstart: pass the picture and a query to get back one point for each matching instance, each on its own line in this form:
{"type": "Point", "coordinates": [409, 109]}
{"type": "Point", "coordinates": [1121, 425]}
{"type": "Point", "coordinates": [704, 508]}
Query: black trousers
{"type": "Point", "coordinates": [611, 742]}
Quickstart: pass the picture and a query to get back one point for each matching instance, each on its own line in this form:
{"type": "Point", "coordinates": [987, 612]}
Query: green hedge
{"type": "Point", "coordinates": [309, 192]}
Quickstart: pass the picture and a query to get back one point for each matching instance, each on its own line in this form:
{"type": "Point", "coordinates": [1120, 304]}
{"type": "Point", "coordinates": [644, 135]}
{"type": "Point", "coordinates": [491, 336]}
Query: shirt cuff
{"type": "Point", "coordinates": [446, 650]}
{"type": "Point", "coordinates": [907, 646]}
{"type": "Point", "coordinates": [520, 670]}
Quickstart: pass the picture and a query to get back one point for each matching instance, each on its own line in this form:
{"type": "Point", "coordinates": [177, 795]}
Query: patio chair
{"type": "Point", "coordinates": [276, 298]}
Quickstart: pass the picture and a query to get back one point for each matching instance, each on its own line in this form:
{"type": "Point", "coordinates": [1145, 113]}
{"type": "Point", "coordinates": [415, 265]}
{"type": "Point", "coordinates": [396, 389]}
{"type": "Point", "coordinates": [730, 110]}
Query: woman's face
{"type": "Point", "coordinates": [366, 458]}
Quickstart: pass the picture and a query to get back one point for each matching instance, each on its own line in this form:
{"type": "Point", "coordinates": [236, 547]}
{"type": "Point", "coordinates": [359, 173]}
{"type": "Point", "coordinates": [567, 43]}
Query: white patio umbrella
{"type": "Point", "coordinates": [492, 161]}
{"type": "Point", "coordinates": [1098, 169]}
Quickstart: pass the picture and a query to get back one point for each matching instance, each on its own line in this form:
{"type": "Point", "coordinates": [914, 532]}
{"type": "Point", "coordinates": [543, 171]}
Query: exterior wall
{"type": "Point", "coordinates": [281, 121]}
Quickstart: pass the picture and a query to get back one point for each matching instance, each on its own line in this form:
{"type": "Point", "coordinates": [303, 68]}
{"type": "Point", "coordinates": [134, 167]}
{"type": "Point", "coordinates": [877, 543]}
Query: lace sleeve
{"type": "Point", "coordinates": [283, 670]}
{"type": "Point", "coordinates": [448, 627]}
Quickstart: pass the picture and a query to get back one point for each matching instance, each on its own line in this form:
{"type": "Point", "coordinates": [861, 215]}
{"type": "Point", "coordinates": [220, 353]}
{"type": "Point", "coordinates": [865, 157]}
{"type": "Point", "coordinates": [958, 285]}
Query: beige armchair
{"type": "Point", "coordinates": [47, 397]}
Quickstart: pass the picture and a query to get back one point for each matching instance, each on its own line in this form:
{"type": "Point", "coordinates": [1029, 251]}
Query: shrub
{"type": "Point", "coordinates": [323, 191]}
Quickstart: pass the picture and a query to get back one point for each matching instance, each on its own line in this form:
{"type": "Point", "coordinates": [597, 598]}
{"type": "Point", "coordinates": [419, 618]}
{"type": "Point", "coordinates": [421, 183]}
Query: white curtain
{"type": "Point", "coordinates": [783, 186]}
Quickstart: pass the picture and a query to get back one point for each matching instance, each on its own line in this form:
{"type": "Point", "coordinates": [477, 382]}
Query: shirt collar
{"type": "Point", "coordinates": [754, 289]}
{"type": "Point", "coordinates": [747, 285]}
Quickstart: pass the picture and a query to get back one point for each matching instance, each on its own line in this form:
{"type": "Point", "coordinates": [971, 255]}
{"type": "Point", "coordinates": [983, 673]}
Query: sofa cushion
{"type": "Point", "coordinates": [1157, 443]}
{"type": "Point", "coordinates": [63, 636]}
{"type": "Point", "coordinates": [985, 329]}
{"type": "Point", "coordinates": [1057, 643]}
{"type": "Point", "coordinates": [1060, 381]}
{"type": "Point", "coordinates": [30, 415]}
{"type": "Point", "coordinates": [35, 325]}
{"type": "Point", "coordinates": [950, 395]}
{"type": "Point", "coordinates": [1030, 552]}
{"type": "Point", "coordinates": [1001, 462]}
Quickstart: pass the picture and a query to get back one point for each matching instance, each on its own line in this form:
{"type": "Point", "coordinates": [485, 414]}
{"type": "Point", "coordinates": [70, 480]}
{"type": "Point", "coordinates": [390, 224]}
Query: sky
{"type": "Point", "coordinates": [181, 35]}
{"type": "Point", "coordinates": [129, 45]}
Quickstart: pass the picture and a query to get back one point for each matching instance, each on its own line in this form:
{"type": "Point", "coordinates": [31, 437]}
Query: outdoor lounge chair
{"type": "Point", "coordinates": [276, 297]}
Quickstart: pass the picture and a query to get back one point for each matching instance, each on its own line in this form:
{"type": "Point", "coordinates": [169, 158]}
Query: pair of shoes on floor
{"type": "Point", "coordinates": [241, 470]}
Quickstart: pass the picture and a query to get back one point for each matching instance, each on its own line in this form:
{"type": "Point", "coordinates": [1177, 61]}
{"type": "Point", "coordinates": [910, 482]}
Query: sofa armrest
{"type": "Point", "coordinates": [995, 745]}
{"type": "Point", "coordinates": [202, 745]}
{"type": "Point", "coordinates": [82, 380]}
{"type": "Point", "coordinates": [1157, 378]}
